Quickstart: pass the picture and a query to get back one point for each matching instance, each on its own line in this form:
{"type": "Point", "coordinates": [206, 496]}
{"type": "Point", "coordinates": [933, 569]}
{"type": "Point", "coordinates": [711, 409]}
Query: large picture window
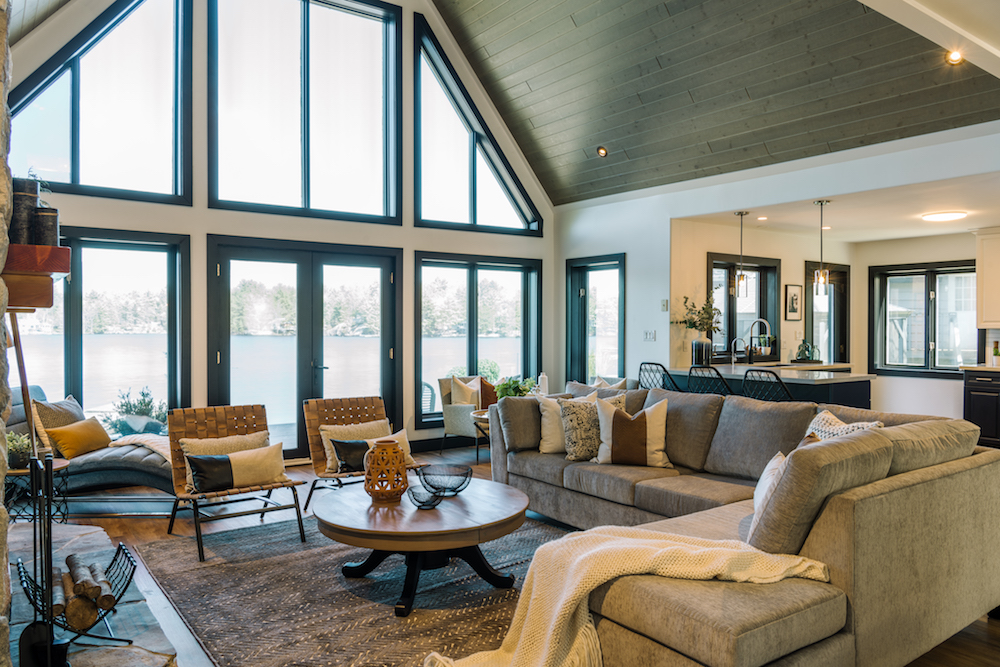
{"type": "Point", "coordinates": [110, 113]}
{"type": "Point", "coordinates": [595, 317]}
{"type": "Point", "coordinates": [463, 179]}
{"type": "Point", "coordinates": [119, 325]}
{"type": "Point", "coordinates": [923, 318]}
{"type": "Point", "coordinates": [324, 140]}
{"type": "Point", "coordinates": [475, 316]}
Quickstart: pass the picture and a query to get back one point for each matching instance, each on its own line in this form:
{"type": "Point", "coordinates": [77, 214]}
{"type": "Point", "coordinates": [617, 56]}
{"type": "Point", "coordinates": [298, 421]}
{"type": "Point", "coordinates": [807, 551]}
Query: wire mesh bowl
{"type": "Point", "coordinates": [422, 498]}
{"type": "Point", "coordinates": [445, 480]}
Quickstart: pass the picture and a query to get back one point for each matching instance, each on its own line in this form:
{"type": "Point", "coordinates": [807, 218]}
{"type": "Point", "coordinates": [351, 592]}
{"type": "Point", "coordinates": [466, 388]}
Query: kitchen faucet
{"type": "Point", "coordinates": [732, 349]}
{"type": "Point", "coordinates": [767, 333]}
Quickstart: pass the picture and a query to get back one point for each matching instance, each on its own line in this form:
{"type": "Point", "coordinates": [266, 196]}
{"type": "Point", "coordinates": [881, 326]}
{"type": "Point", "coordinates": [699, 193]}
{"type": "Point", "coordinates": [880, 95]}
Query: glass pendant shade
{"type": "Point", "coordinates": [821, 280]}
{"type": "Point", "coordinates": [741, 283]}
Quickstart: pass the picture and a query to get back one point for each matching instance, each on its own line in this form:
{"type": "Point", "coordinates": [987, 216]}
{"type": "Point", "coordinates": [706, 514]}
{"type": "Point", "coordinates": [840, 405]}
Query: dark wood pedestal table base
{"type": "Point", "coordinates": [428, 539]}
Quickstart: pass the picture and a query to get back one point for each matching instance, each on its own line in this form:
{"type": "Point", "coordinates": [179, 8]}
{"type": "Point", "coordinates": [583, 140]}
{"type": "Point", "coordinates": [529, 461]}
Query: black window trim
{"type": "Point", "coordinates": [392, 18]}
{"type": "Point", "coordinates": [67, 59]}
{"type": "Point", "coordinates": [770, 299]}
{"type": "Point", "coordinates": [576, 336]}
{"type": "Point", "coordinates": [178, 247]}
{"type": "Point", "coordinates": [876, 290]}
{"type": "Point", "coordinates": [808, 297]}
{"type": "Point", "coordinates": [481, 138]}
{"type": "Point", "coordinates": [531, 315]}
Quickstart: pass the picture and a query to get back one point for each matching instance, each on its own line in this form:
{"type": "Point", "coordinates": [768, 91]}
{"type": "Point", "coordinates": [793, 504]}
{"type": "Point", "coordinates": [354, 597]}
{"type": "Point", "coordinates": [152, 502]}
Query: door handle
{"type": "Point", "coordinates": [319, 368]}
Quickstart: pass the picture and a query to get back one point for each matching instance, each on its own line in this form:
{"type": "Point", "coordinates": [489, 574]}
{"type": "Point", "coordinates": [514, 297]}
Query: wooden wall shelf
{"type": "Point", "coordinates": [30, 271]}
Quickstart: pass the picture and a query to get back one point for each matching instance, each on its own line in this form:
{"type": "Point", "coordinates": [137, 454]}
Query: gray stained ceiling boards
{"type": "Point", "coordinates": [681, 89]}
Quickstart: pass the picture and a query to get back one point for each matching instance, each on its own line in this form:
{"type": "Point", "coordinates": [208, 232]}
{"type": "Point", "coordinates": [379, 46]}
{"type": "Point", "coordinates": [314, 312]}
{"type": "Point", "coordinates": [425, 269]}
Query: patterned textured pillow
{"type": "Point", "coordinates": [251, 467]}
{"type": "Point", "coordinates": [636, 441]}
{"type": "Point", "coordinates": [53, 415]}
{"type": "Point", "coordinates": [826, 425]}
{"type": "Point", "coordinates": [583, 430]}
{"type": "Point", "coordinates": [362, 431]}
{"type": "Point", "coordinates": [552, 436]}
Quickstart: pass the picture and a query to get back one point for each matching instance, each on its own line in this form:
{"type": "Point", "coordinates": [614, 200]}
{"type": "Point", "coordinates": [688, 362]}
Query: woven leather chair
{"type": "Point", "coordinates": [707, 380]}
{"type": "Point", "coordinates": [321, 411]}
{"type": "Point", "coordinates": [654, 375]}
{"type": "Point", "coordinates": [765, 385]}
{"type": "Point", "coordinates": [218, 422]}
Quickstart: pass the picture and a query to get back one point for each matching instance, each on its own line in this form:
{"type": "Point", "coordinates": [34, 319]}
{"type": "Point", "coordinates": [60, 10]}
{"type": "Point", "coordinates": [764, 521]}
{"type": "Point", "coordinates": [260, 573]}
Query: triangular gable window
{"type": "Point", "coordinates": [103, 115]}
{"type": "Point", "coordinates": [456, 149]}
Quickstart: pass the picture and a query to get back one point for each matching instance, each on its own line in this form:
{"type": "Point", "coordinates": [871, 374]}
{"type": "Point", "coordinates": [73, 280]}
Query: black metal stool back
{"type": "Point", "coordinates": [652, 374]}
{"type": "Point", "coordinates": [765, 385]}
{"type": "Point", "coordinates": [707, 380]}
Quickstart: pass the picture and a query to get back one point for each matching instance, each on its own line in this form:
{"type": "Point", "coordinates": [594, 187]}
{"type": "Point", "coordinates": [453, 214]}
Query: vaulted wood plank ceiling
{"type": "Point", "coordinates": [681, 89]}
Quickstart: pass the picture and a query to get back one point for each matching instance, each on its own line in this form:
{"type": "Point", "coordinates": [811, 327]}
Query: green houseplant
{"type": "Point", "coordinates": [703, 319]}
{"type": "Point", "coordinates": [514, 387]}
{"type": "Point", "coordinates": [139, 415]}
{"type": "Point", "coordinates": [18, 450]}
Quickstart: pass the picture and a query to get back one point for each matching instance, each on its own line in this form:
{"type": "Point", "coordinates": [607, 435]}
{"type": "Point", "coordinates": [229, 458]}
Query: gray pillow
{"type": "Point", "coordinates": [691, 422]}
{"type": "Point", "coordinates": [927, 443]}
{"type": "Point", "coordinates": [54, 415]}
{"type": "Point", "coordinates": [751, 432]}
{"type": "Point", "coordinates": [812, 473]}
{"type": "Point", "coordinates": [520, 422]}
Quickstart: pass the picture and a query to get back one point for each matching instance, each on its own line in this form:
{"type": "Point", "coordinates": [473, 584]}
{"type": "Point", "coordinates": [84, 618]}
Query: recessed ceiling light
{"type": "Point", "coordinates": [602, 151]}
{"type": "Point", "coordinates": [955, 58]}
{"type": "Point", "coordinates": [945, 216]}
{"type": "Point", "coordinates": [826, 227]}
{"type": "Point", "coordinates": [763, 217]}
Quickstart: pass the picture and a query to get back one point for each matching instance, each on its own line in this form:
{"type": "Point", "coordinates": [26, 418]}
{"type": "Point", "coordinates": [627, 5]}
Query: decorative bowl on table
{"type": "Point", "coordinates": [422, 498]}
{"type": "Point", "coordinates": [445, 480]}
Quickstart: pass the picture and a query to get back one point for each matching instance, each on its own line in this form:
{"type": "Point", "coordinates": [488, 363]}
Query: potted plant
{"type": "Point", "coordinates": [514, 387]}
{"type": "Point", "coordinates": [140, 415]}
{"type": "Point", "coordinates": [18, 450]}
{"type": "Point", "coordinates": [703, 319]}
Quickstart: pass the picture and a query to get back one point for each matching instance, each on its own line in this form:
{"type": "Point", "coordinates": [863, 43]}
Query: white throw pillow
{"type": "Point", "coordinates": [553, 440]}
{"type": "Point", "coordinates": [466, 394]}
{"type": "Point", "coordinates": [622, 446]}
{"type": "Point", "coordinates": [773, 471]}
{"type": "Point", "coordinates": [826, 425]}
{"type": "Point", "coordinates": [379, 428]}
{"type": "Point", "coordinates": [401, 440]}
{"type": "Point", "coordinates": [601, 383]}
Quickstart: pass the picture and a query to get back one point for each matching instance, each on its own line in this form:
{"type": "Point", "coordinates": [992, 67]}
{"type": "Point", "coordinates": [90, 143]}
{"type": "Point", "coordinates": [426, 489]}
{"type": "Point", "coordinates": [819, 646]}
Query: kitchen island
{"type": "Point", "coordinates": [820, 386]}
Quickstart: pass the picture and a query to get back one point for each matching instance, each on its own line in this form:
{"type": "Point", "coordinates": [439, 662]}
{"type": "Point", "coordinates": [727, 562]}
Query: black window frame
{"type": "Point", "coordinates": [392, 18]}
{"type": "Point", "coordinates": [877, 276]}
{"type": "Point", "coordinates": [531, 316]}
{"type": "Point", "coordinates": [178, 247]}
{"type": "Point", "coordinates": [576, 317]}
{"type": "Point", "coordinates": [769, 298]}
{"type": "Point", "coordinates": [480, 138]}
{"type": "Point", "coordinates": [840, 276]}
{"type": "Point", "coordinates": [68, 59]}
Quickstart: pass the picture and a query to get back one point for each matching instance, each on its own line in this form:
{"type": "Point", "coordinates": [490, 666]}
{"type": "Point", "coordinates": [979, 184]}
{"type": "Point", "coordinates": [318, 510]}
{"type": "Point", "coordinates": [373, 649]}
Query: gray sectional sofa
{"type": "Point", "coordinates": [907, 518]}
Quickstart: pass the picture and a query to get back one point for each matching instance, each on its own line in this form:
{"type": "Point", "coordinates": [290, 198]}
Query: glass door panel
{"type": "Point", "coordinates": [602, 323]}
{"type": "Point", "coordinates": [498, 307]}
{"type": "Point", "coordinates": [352, 331]}
{"type": "Point", "coordinates": [822, 325]}
{"type": "Point", "coordinates": [444, 336]}
{"type": "Point", "coordinates": [957, 337]}
{"type": "Point", "coordinates": [263, 343]}
{"type": "Point", "coordinates": [904, 331]}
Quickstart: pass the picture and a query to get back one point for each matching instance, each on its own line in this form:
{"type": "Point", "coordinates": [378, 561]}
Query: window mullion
{"type": "Point", "coordinates": [74, 132]}
{"type": "Point", "coordinates": [472, 177]}
{"type": "Point", "coordinates": [930, 320]}
{"type": "Point", "coordinates": [472, 326]}
{"type": "Point", "coordinates": [305, 104]}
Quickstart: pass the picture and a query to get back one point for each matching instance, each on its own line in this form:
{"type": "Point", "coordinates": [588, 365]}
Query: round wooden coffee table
{"type": "Point", "coordinates": [484, 511]}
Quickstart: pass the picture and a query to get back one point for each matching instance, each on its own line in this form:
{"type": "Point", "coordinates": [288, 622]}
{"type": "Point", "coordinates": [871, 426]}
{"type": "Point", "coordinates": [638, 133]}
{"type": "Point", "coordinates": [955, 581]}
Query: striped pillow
{"type": "Point", "coordinates": [637, 441]}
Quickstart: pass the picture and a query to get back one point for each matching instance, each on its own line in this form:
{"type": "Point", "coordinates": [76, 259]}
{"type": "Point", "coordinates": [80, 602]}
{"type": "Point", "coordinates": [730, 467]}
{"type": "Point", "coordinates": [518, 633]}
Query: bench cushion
{"type": "Point", "coordinates": [685, 494]}
{"type": "Point", "coordinates": [609, 481]}
{"type": "Point", "coordinates": [691, 423]}
{"type": "Point", "coordinates": [721, 623]}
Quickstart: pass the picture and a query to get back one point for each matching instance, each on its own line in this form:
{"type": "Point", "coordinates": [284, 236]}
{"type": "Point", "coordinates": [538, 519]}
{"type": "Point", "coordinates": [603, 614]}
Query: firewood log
{"type": "Point", "coordinates": [105, 599]}
{"type": "Point", "coordinates": [83, 581]}
{"type": "Point", "coordinates": [58, 595]}
{"type": "Point", "coordinates": [80, 610]}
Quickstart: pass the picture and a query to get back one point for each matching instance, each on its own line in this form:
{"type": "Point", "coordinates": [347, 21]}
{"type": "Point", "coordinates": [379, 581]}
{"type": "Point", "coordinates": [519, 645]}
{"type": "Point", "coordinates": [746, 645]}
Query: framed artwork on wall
{"type": "Point", "coordinates": [793, 303]}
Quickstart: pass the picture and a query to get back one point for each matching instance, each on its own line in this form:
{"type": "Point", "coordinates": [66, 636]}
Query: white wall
{"type": "Point", "coordinates": [198, 220]}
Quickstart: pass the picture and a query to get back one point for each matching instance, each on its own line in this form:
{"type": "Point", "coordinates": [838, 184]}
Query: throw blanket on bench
{"type": "Point", "coordinates": [552, 625]}
{"type": "Point", "coordinates": [157, 443]}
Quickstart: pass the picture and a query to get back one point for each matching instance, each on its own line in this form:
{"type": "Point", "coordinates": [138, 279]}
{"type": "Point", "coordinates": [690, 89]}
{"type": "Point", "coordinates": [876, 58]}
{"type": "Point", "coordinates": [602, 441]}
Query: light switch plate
{"type": "Point", "coordinates": [649, 336]}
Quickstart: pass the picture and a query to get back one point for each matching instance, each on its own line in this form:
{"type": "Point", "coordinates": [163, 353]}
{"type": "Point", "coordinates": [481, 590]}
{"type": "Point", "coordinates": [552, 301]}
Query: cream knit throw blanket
{"type": "Point", "coordinates": [552, 626]}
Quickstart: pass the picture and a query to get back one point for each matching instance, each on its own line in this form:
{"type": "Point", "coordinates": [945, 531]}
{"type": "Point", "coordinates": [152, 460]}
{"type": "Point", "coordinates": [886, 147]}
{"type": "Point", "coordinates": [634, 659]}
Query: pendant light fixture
{"type": "Point", "coordinates": [821, 278]}
{"type": "Point", "coordinates": [741, 278]}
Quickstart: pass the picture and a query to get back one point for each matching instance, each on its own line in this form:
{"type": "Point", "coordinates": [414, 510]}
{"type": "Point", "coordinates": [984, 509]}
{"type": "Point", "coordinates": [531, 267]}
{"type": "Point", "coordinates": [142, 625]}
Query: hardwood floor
{"type": "Point", "coordinates": [978, 645]}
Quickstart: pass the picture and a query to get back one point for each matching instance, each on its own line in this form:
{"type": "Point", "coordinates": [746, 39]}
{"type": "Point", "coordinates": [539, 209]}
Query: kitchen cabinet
{"type": "Point", "coordinates": [982, 404]}
{"type": "Point", "coordinates": [988, 278]}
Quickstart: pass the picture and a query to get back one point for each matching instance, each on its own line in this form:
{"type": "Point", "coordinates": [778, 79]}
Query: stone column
{"type": "Point", "coordinates": [5, 208]}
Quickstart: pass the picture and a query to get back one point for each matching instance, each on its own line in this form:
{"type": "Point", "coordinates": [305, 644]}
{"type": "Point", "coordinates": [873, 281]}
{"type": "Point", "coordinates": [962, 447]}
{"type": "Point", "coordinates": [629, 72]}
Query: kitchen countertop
{"type": "Point", "coordinates": [787, 374]}
{"type": "Point", "coordinates": [987, 369]}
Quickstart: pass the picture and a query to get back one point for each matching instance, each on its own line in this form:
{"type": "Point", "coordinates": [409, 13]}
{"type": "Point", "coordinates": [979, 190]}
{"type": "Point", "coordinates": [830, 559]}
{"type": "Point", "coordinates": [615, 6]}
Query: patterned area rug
{"type": "Point", "coordinates": [263, 598]}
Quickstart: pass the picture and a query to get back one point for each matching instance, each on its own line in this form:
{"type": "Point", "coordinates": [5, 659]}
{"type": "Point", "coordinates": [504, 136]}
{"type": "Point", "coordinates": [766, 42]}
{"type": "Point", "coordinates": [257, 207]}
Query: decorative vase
{"type": "Point", "coordinates": [385, 472]}
{"type": "Point", "coordinates": [701, 350]}
{"type": "Point", "coordinates": [18, 460]}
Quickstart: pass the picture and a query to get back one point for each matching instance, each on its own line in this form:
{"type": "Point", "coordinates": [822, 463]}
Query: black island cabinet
{"type": "Point", "coordinates": [982, 404]}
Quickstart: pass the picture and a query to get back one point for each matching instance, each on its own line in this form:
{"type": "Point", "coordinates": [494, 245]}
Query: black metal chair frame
{"type": "Point", "coordinates": [765, 385]}
{"type": "Point", "coordinates": [649, 371]}
{"type": "Point", "coordinates": [707, 380]}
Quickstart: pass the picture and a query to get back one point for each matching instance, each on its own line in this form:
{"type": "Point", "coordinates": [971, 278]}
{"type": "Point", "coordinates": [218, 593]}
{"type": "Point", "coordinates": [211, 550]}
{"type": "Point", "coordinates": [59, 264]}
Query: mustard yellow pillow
{"type": "Point", "coordinates": [79, 438]}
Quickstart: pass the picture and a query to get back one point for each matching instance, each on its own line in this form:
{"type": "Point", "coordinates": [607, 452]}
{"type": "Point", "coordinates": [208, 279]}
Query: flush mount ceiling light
{"type": "Point", "coordinates": [944, 216]}
{"type": "Point", "coordinates": [821, 277]}
{"type": "Point", "coordinates": [602, 151]}
{"type": "Point", "coordinates": [955, 58]}
{"type": "Point", "coordinates": [741, 278]}
{"type": "Point", "coordinates": [763, 217]}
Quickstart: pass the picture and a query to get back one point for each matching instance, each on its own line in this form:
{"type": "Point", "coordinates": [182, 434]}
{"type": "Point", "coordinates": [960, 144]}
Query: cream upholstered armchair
{"type": "Point", "coordinates": [457, 417]}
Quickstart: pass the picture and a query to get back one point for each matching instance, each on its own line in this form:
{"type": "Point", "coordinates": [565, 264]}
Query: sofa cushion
{"type": "Point", "coordinates": [928, 443]}
{"type": "Point", "coordinates": [691, 423]}
{"type": "Point", "coordinates": [610, 482]}
{"type": "Point", "coordinates": [546, 468]}
{"type": "Point", "coordinates": [520, 422]}
{"type": "Point", "coordinates": [721, 623]}
{"type": "Point", "coordinates": [812, 473]}
{"type": "Point", "coordinates": [633, 440]}
{"type": "Point", "coordinates": [686, 494]}
{"type": "Point", "coordinates": [751, 432]}
{"type": "Point", "coordinates": [850, 415]}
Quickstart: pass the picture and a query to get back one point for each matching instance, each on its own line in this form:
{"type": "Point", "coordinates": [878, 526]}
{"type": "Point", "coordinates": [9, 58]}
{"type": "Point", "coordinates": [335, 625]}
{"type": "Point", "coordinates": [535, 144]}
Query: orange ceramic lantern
{"type": "Point", "coordinates": [385, 472]}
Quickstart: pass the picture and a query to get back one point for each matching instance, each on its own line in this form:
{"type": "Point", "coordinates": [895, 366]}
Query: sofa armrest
{"type": "Point", "coordinates": [498, 448]}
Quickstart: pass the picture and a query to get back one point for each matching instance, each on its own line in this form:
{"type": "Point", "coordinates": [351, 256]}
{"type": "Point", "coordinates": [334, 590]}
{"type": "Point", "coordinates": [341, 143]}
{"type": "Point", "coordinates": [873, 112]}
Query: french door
{"type": "Point", "coordinates": [291, 321]}
{"type": "Point", "coordinates": [595, 317]}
